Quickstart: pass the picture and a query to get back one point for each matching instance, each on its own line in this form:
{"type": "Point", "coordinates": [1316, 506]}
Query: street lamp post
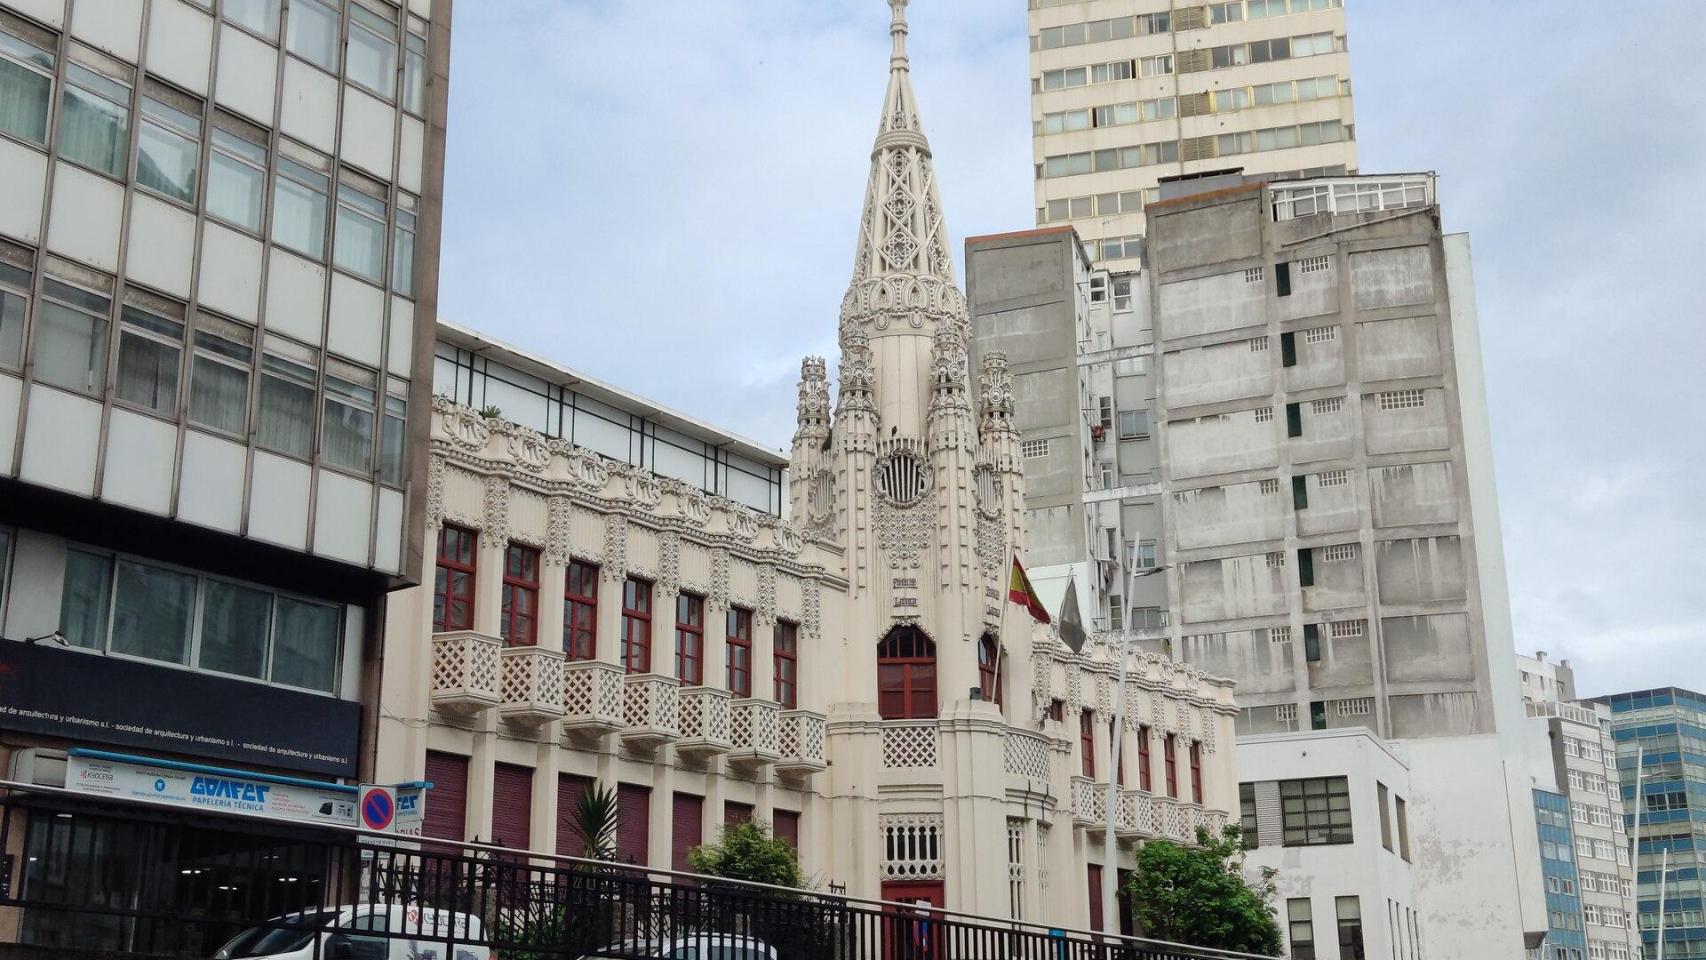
{"type": "Point", "coordinates": [1110, 806]}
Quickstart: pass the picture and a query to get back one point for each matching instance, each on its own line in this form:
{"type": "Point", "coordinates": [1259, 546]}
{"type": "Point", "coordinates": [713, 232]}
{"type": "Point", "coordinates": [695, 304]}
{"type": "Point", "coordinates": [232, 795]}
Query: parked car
{"type": "Point", "coordinates": [704, 946]}
{"type": "Point", "coordinates": [361, 932]}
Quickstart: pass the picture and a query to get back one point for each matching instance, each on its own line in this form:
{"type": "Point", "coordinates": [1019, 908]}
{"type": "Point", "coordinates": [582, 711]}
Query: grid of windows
{"type": "Point", "coordinates": [1315, 811]}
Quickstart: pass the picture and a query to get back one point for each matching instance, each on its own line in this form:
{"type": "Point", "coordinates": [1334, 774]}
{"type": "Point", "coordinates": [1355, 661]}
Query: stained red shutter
{"type": "Point", "coordinates": [734, 813]}
{"type": "Point", "coordinates": [1095, 876]}
{"type": "Point", "coordinates": [634, 830]}
{"type": "Point", "coordinates": [447, 801]}
{"type": "Point", "coordinates": [788, 827]}
{"type": "Point", "coordinates": [512, 805]}
{"type": "Point", "coordinates": [688, 828]}
{"type": "Point", "coordinates": [570, 843]}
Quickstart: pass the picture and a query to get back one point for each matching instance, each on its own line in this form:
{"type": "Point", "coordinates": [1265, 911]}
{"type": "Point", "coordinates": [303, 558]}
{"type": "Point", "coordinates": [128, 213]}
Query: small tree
{"type": "Point", "coordinates": [595, 822]}
{"type": "Point", "coordinates": [748, 851]}
{"type": "Point", "coordinates": [1198, 895]}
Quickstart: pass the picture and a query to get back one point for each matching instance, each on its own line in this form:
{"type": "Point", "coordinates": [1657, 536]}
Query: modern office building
{"type": "Point", "coordinates": [1584, 768]}
{"type": "Point", "coordinates": [1128, 93]}
{"type": "Point", "coordinates": [1331, 523]}
{"type": "Point", "coordinates": [218, 264]}
{"type": "Point", "coordinates": [872, 692]}
{"type": "Point", "coordinates": [1661, 755]}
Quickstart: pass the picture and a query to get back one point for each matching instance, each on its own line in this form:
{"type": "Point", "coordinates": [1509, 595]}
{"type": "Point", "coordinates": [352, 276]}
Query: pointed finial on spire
{"type": "Point", "coordinates": [898, 61]}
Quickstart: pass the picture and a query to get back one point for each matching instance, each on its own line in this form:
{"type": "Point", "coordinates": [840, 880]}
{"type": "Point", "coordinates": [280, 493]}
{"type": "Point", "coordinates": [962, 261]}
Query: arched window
{"type": "Point", "coordinates": [906, 675]}
{"type": "Point", "coordinates": [989, 669]}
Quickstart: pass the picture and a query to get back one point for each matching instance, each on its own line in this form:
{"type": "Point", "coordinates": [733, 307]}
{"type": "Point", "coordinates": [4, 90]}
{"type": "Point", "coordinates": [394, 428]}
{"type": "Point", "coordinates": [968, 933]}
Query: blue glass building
{"type": "Point", "coordinates": [1665, 729]}
{"type": "Point", "coordinates": [1565, 939]}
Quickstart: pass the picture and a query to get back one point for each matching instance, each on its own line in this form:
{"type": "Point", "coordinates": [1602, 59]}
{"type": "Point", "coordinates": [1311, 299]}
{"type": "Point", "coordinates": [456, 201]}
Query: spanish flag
{"type": "Point", "coordinates": [1019, 591]}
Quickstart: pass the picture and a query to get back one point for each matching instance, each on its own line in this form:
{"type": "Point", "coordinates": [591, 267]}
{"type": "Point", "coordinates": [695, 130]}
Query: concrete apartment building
{"type": "Point", "coordinates": [1661, 762]}
{"type": "Point", "coordinates": [1584, 764]}
{"type": "Point", "coordinates": [848, 668]}
{"type": "Point", "coordinates": [1126, 93]}
{"type": "Point", "coordinates": [218, 265]}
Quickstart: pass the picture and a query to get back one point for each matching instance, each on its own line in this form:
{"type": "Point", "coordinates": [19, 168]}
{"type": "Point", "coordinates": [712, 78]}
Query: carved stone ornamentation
{"type": "Point", "coordinates": [813, 411]}
{"type": "Point", "coordinates": [991, 544]}
{"type": "Point", "coordinates": [669, 561]}
{"type": "Point", "coordinates": [903, 534]}
{"type": "Point", "coordinates": [559, 517]}
{"type": "Point", "coordinates": [466, 428]}
{"type": "Point", "coordinates": [719, 592]}
{"type": "Point", "coordinates": [811, 607]}
{"type": "Point", "coordinates": [616, 547]}
{"type": "Point", "coordinates": [435, 492]}
{"type": "Point", "coordinates": [529, 451]}
{"type": "Point", "coordinates": [766, 593]}
{"type": "Point", "coordinates": [995, 394]}
{"type": "Point", "coordinates": [496, 521]}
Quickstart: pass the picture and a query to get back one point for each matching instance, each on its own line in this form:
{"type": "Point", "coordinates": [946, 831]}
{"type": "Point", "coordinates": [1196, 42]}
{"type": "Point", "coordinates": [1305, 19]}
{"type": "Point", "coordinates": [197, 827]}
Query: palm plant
{"type": "Point", "coordinates": [595, 821]}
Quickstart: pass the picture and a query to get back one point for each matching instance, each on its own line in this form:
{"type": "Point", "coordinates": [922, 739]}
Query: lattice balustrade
{"type": "Point", "coordinates": [1089, 802]}
{"type": "Point", "coordinates": [1136, 814]}
{"type": "Point", "coordinates": [1214, 821]}
{"type": "Point", "coordinates": [802, 742]}
{"type": "Point", "coordinates": [912, 846]}
{"type": "Point", "coordinates": [466, 672]}
{"type": "Point", "coordinates": [1179, 822]}
{"type": "Point", "coordinates": [705, 718]}
{"type": "Point", "coordinates": [1027, 755]}
{"type": "Point", "coordinates": [910, 744]}
{"type": "Point", "coordinates": [755, 731]}
{"type": "Point", "coordinates": [532, 685]}
{"type": "Point", "coordinates": [652, 709]}
{"type": "Point", "coordinates": [593, 698]}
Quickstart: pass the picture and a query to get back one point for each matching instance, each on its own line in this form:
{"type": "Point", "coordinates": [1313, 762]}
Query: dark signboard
{"type": "Point", "coordinates": [55, 692]}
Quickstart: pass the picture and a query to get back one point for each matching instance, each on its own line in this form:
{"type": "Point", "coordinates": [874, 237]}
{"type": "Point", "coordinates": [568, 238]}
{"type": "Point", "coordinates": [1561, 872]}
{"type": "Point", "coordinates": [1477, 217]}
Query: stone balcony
{"type": "Point", "coordinates": [1214, 821]}
{"type": "Point", "coordinates": [532, 686]}
{"type": "Point", "coordinates": [651, 714]}
{"type": "Point", "coordinates": [1135, 817]}
{"type": "Point", "coordinates": [801, 742]}
{"type": "Point", "coordinates": [705, 719]}
{"type": "Point", "coordinates": [1027, 754]}
{"type": "Point", "coordinates": [911, 744]}
{"type": "Point", "coordinates": [593, 698]}
{"type": "Point", "coordinates": [1089, 804]}
{"type": "Point", "coordinates": [1174, 820]}
{"type": "Point", "coordinates": [467, 672]}
{"type": "Point", "coordinates": [755, 729]}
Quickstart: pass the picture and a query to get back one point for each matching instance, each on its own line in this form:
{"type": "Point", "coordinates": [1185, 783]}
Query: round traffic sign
{"type": "Point", "coordinates": [378, 809]}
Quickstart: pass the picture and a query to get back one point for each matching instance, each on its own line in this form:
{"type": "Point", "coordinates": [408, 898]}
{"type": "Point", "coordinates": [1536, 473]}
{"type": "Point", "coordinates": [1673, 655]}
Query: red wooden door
{"type": "Point", "coordinates": [512, 806]}
{"type": "Point", "coordinates": [634, 829]}
{"type": "Point", "coordinates": [915, 933]}
{"type": "Point", "coordinates": [734, 813]}
{"type": "Point", "coordinates": [788, 827]}
{"type": "Point", "coordinates": [447, 801]}
{"type": "Point", "coordinates": [1096, 919]}
{"type": "Point", "coordinates": [570, 843]}
{"type": "Point", "coordinates": [687, 828]}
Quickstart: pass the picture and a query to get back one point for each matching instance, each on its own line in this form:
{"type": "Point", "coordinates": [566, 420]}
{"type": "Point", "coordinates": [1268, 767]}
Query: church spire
{"type": "Point", "coordinates": [902, 231]}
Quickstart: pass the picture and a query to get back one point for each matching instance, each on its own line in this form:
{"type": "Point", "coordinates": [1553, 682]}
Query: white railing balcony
{"type": "Point", "coordinates": [1135, 818]}
{"type": "Point", "coordinates": [1306, 198]}
{"type": "Point", "coordinates": [1177, 821]}
{"type": "Point", "coordinates": [467, 674]}
{"type": "Point", "coordinates": [1027, 754]}
{"type": "Point", "coordinates": [651, 714]}
{"type": "Point", "coordinates": [755, 729]}
{"type": "Point", "coordinates": [704, 722]}
{"type": "Point", "coordinates": [911, 745]}
{"type": "Point", "coordinates": [532, 686]}
{"type": "Point", "coordinates": [593, 699]}
{"type": "Point", "coordinates": [1089, 803]}
{"type": "Point", "coordinates": [1214, 821]}
{"type": "Point", "coordinates": [802, 742]}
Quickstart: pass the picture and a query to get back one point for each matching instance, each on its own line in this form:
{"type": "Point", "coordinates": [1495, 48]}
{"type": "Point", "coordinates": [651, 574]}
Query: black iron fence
{"type": "Point", "coordinates": [127, 883]}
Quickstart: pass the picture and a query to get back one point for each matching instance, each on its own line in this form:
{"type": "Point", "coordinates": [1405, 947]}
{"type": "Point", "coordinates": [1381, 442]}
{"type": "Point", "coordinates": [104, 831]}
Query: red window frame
{"type": "Point", "coordinates": [1196, 771]}
{"type": "Point", "coordinates": [580, 611]}
{"type": "Point", "coordinates": [1123, 769]}
{"type": "Point", "coordinates": [1143, 780]}
{"type": "Point", "coordinates": [906, 675]}
{"type": "Point", "coordinates": [1087, 741]}
{"type": "Point", "coordinates": [785, 652]}
{"type": "Point", "coordinates": [1170, 754]}
{"type": "Point", "coordinates": [690, 639]}
{"type": "Point", "coordinates": [989, 669]}
{"type": "Point", "coordinates": [739, 624]}
{"type": "Point", "coordinates": [519, 623]}
{"type": "Point", "coordinates": [637, 625]}
{"type": "Point", "coordinates": [1057, 710]}
{"type": "Point", "coordinates": [454, 579]}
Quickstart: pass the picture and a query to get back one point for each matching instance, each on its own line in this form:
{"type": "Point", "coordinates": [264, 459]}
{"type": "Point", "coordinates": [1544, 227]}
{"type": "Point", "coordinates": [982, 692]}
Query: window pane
{"type": "Point", "coordinates": [234, 622]}
{"type": "Point", "coordinates": [372, 58]}
{"type": "Point", "coordinates": [361, 244]}
{"type": "Point", "coordinates": [403, 259]}
{"type": "Point", "coordinates": [152, 610]}
{"type": "Point", "coordinates": [83, 606]}
{"type": "Point", "coordinates": [11, 326]}
{"type": "Point", "coordinates": [147, 372]}
{"type": "Point", "coordinates": [348, 438]}
{"type": "Point", "coordinates": [314, 33]}
{"type": "Point", "coordinates": [219, 395]}
{"type": "Point", "coordinates": [234, 189]}
{"type": "Point", "coordinates": [166, 161]}
{"type": "Point", "coordinates": [93, 130]}
{"type": "Point", "coordinates": [391, 462]}
{"type": "Point", "coordinates": [71, 348]}
{"type": "Point", "coordinates": [260, 16]}
{"type": "Point", "coordinates": [286, 417]}
{"type": "Point", "coordinates": [23, 101]}
{"type": "Point", "coordinates": [305, 645]}
{"type": "Point", "coordinates": [299, 217]}
{"type": "Point", "coordinates": [415, 75]}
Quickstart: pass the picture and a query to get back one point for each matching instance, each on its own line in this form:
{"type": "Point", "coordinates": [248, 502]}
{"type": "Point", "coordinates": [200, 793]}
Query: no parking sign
{"type": "Point", "coordinates": [377, 807]}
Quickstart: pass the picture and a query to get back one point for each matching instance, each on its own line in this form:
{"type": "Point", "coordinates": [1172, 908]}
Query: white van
{"type": "Point", "coordinates": [705, 946]}
{"type": "Point", "coordinates": [358, 933]}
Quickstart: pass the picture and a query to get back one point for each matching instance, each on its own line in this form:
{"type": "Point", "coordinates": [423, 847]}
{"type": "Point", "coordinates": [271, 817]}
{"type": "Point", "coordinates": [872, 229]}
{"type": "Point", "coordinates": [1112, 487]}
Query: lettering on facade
{"type": "Point", "coordinates": [906, 583]}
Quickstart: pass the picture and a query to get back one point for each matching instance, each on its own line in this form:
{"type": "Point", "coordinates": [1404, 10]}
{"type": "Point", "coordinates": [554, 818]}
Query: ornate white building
{"type": "Point", "coordinates": [872, 693]}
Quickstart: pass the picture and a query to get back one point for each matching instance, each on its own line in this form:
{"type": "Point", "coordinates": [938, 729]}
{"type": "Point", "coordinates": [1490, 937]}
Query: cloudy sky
{"type": "Point", "coordinates": [663, 194]}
